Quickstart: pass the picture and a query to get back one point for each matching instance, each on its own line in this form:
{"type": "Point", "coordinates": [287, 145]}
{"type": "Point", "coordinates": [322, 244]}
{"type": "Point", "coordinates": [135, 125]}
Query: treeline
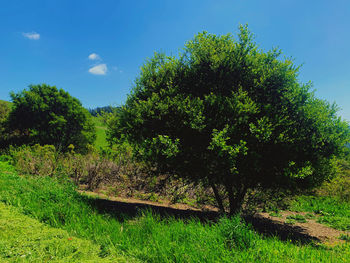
{"type": "Point", "coordinates": [100, 110]}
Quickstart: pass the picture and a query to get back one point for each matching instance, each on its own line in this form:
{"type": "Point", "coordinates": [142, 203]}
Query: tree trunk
{"type": "Point", "coordinates": [217, 197]}
{"type": "Point", "coordinates": [231, 199]}
{"type": "Point", "coordinates": [235, 199]}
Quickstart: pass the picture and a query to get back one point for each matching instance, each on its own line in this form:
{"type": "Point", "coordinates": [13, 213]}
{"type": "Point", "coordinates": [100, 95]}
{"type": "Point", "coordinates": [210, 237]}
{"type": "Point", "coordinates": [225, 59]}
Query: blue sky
{"type": "Point", "coordinates": [94, 49]}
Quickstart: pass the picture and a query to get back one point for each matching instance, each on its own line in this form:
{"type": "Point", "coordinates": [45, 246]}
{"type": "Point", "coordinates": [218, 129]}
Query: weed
{"type": "Point", "coordinates": [290, 221]}
{"type": "Point", "coordinates": [310, 216]}
{"type": "Point", "coordinates": [345, 237]}
{"type": "Point", "coordinates": [298, 218]}
{"type": "Point", "coordinates": [275, 214]}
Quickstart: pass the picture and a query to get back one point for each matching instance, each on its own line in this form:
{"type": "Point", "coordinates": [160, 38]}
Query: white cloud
{"type": "Point", "coordinates": [31, 35]}
{"type": "Point", "coordinates": [94, 56]}
{"type": "Point", "coordinates": [100, 69]}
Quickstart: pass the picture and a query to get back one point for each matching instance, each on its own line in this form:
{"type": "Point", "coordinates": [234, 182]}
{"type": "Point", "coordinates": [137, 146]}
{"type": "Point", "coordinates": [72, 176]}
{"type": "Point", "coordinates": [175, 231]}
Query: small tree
{"type": "Point", "coordinates": [5, 109]}
{"type": "Point", "coordinates": [226, 113]}
{"type": "Point", "coordinates": [45, 115]}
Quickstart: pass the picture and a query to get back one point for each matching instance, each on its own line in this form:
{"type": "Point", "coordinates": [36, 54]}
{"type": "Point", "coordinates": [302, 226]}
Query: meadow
{"type": "Point", "coordinates": [101, 128]}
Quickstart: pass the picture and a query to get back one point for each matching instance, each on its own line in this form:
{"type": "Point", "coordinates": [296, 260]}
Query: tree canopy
{"type": "Point", "coordinates": [5, 108]}
{"type": "Point", "coordinates": [227, 113]}
{"type": "Point", "coordinates": [45, 115]}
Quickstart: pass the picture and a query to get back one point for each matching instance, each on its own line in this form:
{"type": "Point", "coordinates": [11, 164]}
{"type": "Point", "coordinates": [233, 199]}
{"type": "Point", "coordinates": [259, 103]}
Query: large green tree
{"type": "Point", "coordinates": [228, 114]}
{"type": "Point", "coordinates": [46, 115]}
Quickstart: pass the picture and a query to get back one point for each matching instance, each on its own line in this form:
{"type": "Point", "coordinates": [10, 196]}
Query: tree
{"type": "Point", "coordinates": [224, 112]}
{"type": "Point", "coordinates": [5, 109]}
{"type": "Point", "coordinates": [45, 115]}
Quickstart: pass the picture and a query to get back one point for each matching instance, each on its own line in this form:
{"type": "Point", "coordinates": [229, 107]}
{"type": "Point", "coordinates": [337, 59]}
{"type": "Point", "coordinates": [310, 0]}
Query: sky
{"type": "Point", "coordinates": [94, 49]}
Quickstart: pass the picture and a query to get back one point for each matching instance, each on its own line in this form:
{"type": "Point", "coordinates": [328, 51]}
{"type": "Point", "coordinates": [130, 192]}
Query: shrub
{"type": "Point", "coordinates": [91, 169]}
{"type": "Point", "coordinates": [339, 186]}
{"type": "Point", "coordinates": [36, 160]}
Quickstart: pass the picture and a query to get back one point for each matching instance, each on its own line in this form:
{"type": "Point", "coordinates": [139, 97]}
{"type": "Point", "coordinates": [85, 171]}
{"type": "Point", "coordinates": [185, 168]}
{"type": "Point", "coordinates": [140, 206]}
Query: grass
{"type": "Point", "coordinates": [7, 102]}
{"type": "Point", "coordinates": [101, 128]}
{"type": "Point", "coordinates": [330, 211]}
{"type": "Point", "coordinates": [275, 214]}
{"type": "Point", "coordinates": [25, 239]}
{"type": "Point", "coordinates": [345, 237]}
{"type": "Point", "coordinates": [297, 218]}
{"type": "Point", "coordinates": [147, 237]}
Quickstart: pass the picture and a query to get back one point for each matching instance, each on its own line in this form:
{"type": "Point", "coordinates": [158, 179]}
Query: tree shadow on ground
{"type": "Point", "coordinates": [125, 211]}
{"type": "Point", "coordinates": [270, 228]}
{"type": "Point", "coordinates": [265, 226]}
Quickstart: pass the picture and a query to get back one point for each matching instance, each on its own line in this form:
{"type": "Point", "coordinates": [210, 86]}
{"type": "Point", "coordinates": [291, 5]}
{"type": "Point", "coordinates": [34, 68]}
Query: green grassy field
{"type": "Point", "coordinates": [101, 128]}
{"type": "Point", "coordinates": [145, 238]}
{"type": "Point", "coordinates": [7, 102]}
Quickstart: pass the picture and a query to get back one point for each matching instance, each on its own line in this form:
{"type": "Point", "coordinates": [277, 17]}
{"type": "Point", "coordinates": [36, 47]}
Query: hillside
{"type": "Point", "coordinates": [101, 128]}
{"type": "Point", "coordinates": [7, 102]}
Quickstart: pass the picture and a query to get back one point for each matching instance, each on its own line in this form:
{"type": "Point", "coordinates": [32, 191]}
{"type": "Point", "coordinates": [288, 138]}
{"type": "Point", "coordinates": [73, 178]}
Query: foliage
{"type": "Point", "coordinates": [147, 237]}
{"type": "Point", "coordinates": [5, 109]}
{"type": "Point", "coordinates": [91, 169]}
{"type": "Point", "coordinates": [226, 113]}
{"type": "Point", "coordinates": [45, 115]}
{"type": "Point", "coordinates": [101, 110]}
{"type": "Point", "coordinates": [113, 169]}
{"type": "Point", "coordinates": [36, 160]}
{"type": "Point", "coordinates": [339, 186]}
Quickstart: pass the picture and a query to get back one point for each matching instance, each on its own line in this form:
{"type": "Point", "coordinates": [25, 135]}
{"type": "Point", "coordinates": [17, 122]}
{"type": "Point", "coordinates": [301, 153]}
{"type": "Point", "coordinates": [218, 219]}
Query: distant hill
{"type": "Point", "coordinates": [99, 110]}
{"type": "Point", "coordinates": [7, 102]}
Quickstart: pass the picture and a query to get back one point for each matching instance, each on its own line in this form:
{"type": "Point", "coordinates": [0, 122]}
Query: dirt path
{"type": "Point", "coordinates": [263, 222]}
{"type": "Point", "coordinates": [317, 231]}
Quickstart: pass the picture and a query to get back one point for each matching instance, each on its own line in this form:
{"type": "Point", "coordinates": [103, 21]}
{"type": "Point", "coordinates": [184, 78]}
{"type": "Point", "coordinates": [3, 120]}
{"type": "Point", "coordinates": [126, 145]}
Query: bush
{"type": "Point", "coordinates": [339, 186]}
{"type": "Point", "coordinates": [36, 160]}
{"type": "Point", "coordinates": [91, 169]}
